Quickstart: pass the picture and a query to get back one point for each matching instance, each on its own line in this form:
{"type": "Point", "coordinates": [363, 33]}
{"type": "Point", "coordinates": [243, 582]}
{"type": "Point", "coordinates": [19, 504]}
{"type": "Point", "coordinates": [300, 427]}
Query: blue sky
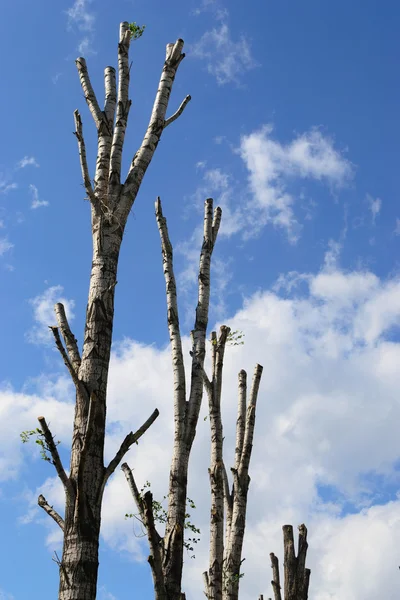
{"type": "Point", "coordinates": [293, 129]}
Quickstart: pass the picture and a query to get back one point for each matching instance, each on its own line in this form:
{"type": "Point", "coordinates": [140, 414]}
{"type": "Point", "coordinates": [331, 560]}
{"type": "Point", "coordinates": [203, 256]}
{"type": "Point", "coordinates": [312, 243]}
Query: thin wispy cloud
{"type": "Point", "coordinates": [80, 17]}
{"type": "Point", "coordinates": [374, 205]}
{"type": "Point", "coordinates": [5, 245]}
{"type": "Point", "coordinates": [397, 228]}
{"type": "Point", "coordinates": [5, 187]}
{"type": "Point", "coordinates": [36, 202]}
{"type": "Point", "coordinates": [56, 77]}
{"type": "Point", "coordinates": [27, 161]}
{"type": "Point", "coordinates": [85, 47]}
{"type": "Point", "coordinates": [226, 59]}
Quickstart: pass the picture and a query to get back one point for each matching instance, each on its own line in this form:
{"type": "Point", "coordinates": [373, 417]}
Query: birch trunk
{"type": "Point", "coordinates": [111, 202]}
{"type": "Point", "coordinates": [166, 557]}
{"type": "Point", "coordinates": [223, 576]}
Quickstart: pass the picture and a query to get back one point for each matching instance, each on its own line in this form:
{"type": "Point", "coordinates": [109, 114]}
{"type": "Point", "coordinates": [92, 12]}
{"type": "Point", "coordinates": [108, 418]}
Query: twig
{"type": "Point", "coordinates": [69, 338]}
{"type": "Point", "coordinates": [130, 439]}
{"type": "Point", "coordinates": [178, 112]}
{"type": "Point", "coordinates": [78, 133]}
{"type": "Point", "coordinates": [51, 512]}
{"type": "Point", "coordinates": [55, 456]}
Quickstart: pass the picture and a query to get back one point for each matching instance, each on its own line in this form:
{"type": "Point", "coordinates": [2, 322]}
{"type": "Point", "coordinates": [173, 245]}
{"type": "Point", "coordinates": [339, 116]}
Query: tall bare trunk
{"type": "Point", "coordinates": [166, 553]}
{"type": "Point", "coordinates": [111, 202]}
{"type": "Point", "coordinates": [223, 576]}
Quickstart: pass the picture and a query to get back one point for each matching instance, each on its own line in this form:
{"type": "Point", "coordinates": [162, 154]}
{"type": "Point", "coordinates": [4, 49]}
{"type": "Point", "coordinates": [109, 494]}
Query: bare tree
{"type": "Point", "coordinates": [296, 576]}
{"type": "Point", "coordinates": [228, 507]}
{"type": "Point", "coordinates": [166, 552]}
{"type": "Point", "coordinates": [111, 201]}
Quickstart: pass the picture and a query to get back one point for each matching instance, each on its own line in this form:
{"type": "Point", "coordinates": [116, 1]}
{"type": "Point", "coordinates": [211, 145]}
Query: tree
{"type": "Point", "coordinates": [228, 505]}
{"type": "Point", "coordinates": [111, 201]}
{"type": "Point", "coordinates": [296, 576]}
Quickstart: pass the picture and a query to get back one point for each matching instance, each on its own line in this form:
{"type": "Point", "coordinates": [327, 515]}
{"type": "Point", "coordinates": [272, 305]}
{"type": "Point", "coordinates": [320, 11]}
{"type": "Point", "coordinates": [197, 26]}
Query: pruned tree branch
{"type": "Point", "coordinates": [50, 511]}
{"type": "Point", "coordinates": [110, 94]}
{"type": "Point", "coordinates": [178, 112]}
{"type": "Point", "coordinates": [276, 585]}
{"type": "Point", "coordinates": [123, 106]}
{"type": "Point", "coordinates": [241, 418]}
{"type": "Point", "coordinates": [216, 471]}
{"type": "Point", "coordinates": [173, 322]}
{"type": "Point", "coordinates": [143, 156]}
{"type": "Point", "coordinates": [200, 327]}
{"type": "Point", "coordinates": [88, 91]}
{"type": "Point", "coordinates": [250, 421]}
{"type": "Point", "coordinates": [145, 507]}
{"type": "Point", "coordinates": [63, 353]}
{"type": "Point", "coordinates": [69, 338]}
{"type": "Point", "coordinates": [130, 439]}
{"type": "Point", "coordinates": [55, 456]}
{"type": "Point", "coordinates": [296, 576]}
{"type": "Point", "coordinates": [83, 160]}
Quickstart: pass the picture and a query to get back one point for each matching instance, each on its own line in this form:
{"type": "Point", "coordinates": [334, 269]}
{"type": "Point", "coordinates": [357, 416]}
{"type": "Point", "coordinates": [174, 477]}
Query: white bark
{"type": "Point", "coordinates": [241, 481]}
{"type": "Point", "coordinates": [166, 557]}
{"type": "Point", "coordinates": [110, 206]}
{"type": "Point", "coordinates": [223, 577]}
{"type": "Point", "coordinates": [216, 470]}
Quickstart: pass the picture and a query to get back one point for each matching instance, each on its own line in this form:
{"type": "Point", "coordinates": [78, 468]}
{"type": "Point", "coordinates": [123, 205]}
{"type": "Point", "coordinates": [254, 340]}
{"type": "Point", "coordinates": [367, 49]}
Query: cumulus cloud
{"type": "Point", "coordinates": [273, 165]}
{"type": "Point", "coordinates": [22, 409]}
{"type": "Point", "coordinates": [327, 420]}
{"type": "Point", "coordinates": [226, 59]}
{"type": "Point", "coordinates": [27, 161]}
{"type": "Point", "coordinates": [36, 202]}
{"type": "Point", "coordinates": [43, 313]}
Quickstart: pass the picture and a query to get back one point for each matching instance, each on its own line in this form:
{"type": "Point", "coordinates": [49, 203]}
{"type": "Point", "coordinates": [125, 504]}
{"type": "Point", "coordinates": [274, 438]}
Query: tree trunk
{"type": "Point", "coordinates": [111, 202]}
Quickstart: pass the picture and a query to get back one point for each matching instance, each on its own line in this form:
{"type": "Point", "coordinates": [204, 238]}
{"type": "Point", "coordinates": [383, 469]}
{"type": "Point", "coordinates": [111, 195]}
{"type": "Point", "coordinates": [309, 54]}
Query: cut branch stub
{"type": "Point", "coordinates": [296, 576]}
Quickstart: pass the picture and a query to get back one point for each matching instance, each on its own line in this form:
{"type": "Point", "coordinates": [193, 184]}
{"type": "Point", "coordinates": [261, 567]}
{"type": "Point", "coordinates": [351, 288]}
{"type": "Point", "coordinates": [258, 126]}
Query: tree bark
{"type": "Point", "coordinates": [111, 202]}
{"type": "Point", "coordinates": [296, 576]}
{"type": "Point", "coordinates": [169, 552]}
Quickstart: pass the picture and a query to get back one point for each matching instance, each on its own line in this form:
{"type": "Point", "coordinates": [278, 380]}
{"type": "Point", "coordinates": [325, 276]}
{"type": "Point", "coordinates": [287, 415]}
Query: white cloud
{"type": "Point", "coordinates": [6, 596]}
{"type": "Point", "coordinates": [273, 165]}
{"type": "Point", "coordinates": [226, 59]}
{"type": "Point", "coordinates": [374, 205]}
{"type": "Point", "coordinates": [85, 47]}
{"type": "Point", "coordinates": [23, 410]}
{"type": "Point", "coordinates": [27, 161]}
{"type": "Point", "coordinates": [5, 245]}
{"type": "Point", "coordinates": [327, 415]}
{"type": "Point", "coordinates": [80, 16]}
{"type": "Point", "coordinates": [36, 202]}
{"type": "Point", "coordinates": [397, 228]}
{"type": "Point", "coordinates": [6, 187]}
{"type": "Point", "coordinates": [43, 313]}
